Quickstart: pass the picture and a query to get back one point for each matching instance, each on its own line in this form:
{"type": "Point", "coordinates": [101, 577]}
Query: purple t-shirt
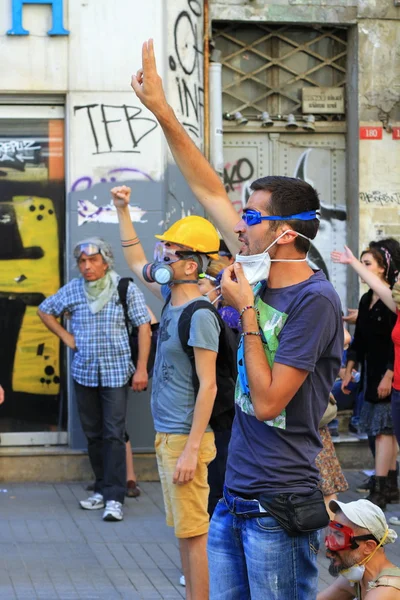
{"type": "Point", "coordinates": [303, 328]}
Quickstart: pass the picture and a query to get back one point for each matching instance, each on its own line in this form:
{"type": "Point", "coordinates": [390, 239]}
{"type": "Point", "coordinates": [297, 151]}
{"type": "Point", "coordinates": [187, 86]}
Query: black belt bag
{"type": "Point", "coordinates": [297, 513]}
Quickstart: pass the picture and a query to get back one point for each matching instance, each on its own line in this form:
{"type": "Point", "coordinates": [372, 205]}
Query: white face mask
{"type": "Point", "coordinates": [354, 574]}
{"type": "Point", "coordinates": [210, 292]}
{"type": "Point", "coordinates": [256, 267]}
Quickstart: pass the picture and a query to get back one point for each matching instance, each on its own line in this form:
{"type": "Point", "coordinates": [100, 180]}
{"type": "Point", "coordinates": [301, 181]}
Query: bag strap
{"type": "Point", "coordinates": [388, 578]}
{"type": "Point", "coordinates": [123, 285]}
{"type": "Point", "coordinates": [185, 321]}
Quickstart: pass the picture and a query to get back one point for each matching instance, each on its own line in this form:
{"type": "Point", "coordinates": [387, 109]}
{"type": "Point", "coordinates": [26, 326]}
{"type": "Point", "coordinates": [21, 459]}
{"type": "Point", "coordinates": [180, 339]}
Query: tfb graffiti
{"type": "Point", "coordinates": [109, 137]}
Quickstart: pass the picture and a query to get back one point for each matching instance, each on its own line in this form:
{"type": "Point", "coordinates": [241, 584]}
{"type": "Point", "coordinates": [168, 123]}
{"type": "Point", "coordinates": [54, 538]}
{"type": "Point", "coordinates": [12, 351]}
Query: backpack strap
{"type": "Point", "coordinates": [185, 321]}
{"type": "Point", "coordinates": [184, 332]}
{"type": "Point", "coordinates": [123, 285]}
{"type": "Point", "coordinates": [387, 578]}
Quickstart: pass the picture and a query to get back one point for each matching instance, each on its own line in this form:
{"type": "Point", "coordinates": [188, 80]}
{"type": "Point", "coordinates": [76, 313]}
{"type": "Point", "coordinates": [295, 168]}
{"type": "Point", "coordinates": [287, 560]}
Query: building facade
{"type": "Point", "coordinates": [317, 87]}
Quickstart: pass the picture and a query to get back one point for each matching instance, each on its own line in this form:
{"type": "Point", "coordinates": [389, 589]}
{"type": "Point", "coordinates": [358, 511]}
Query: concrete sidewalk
{"type": "Point", "coordinates": [51, 549]}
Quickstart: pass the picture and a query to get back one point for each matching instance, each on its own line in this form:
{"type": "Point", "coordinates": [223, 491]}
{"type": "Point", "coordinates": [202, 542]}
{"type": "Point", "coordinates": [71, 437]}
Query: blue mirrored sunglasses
{"type": "Point", "coordinates": [254, 217]}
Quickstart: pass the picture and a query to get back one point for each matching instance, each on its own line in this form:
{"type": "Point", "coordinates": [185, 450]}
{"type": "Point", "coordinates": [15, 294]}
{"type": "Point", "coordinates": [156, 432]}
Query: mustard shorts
{"type": "Point", "coordinates": [186, 504]}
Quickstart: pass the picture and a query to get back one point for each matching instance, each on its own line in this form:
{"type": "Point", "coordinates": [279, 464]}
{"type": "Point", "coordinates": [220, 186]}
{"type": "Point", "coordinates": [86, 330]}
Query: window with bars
{"type": "Point", "coordinates": [265, 66]}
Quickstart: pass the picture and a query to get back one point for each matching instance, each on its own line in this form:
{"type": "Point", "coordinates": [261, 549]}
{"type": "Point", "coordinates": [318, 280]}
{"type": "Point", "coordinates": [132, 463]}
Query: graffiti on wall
{"type": "Point", "coordinates": [16, 153]}
{"type": "Point", "coordinates": [185, 64]}
{"type": "Point", "coordinates": [380, 198]}
{"type": "Point", "coordinates": [29, 271]}
{"type": "Point", "coordinates": [238, 176]}
{"type": "Point", "coordinates": [332, 221]}
{"type": "Point", "coordinates": [89, 212]}
{"type": "Point", "coordinates": [115, 128]}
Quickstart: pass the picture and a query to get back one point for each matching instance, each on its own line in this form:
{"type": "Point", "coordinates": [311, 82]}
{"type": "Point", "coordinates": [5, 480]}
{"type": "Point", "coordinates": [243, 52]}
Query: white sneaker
{"type": "Point", "coordinates": [113, 511]}
{"type": "Point", "coordinates": [394, 520]}
{"type": "Point", "coordinates": [93, 502]}
{"type": "Point", "coordinates": [182, 580]}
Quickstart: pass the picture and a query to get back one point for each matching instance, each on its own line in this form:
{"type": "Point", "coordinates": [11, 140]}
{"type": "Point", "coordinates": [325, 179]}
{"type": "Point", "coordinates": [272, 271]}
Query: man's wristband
{"type": "Point", "coordinates": [248, 308]}
{"type": "Point", "coordinates": [132, 242]}
{"type": "Point", "coordinates": [251, 333]}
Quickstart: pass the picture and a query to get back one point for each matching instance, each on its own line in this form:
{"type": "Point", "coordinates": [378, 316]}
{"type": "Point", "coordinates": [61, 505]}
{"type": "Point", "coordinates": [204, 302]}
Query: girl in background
{"type": "Point", "coordinates": [377, 335]}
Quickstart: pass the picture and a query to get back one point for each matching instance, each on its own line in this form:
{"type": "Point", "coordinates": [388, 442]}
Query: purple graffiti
{"type": "Point", "coordinates": [85, 183]}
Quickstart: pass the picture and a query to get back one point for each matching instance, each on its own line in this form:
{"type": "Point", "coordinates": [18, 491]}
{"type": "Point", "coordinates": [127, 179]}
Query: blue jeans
{"type": "Point", "coordinates": [253, 558]}
{"type": "Point", "coordinates": [347, 401]}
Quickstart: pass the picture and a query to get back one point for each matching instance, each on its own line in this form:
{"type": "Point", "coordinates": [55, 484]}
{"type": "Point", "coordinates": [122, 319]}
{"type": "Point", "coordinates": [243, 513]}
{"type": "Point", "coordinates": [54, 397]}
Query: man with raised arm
{"type": "Point", "coordinates": [263, 540]}
{"type": "Point", "coordinates": [184, 440]}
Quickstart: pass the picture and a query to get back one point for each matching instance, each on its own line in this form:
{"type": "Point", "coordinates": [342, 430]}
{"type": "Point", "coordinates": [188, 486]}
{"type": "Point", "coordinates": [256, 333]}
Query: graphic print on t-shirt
{"type": "Point", "coordinates": [271, 322]}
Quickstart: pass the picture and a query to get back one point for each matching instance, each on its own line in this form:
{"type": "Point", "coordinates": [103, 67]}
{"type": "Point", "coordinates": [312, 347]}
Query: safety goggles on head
{"type": "Point", "coordinates": [341, 537]}
{"type": "Point", "coordinates": [88, 249]}
{"type": "Point", "coordinates": [252, 216]}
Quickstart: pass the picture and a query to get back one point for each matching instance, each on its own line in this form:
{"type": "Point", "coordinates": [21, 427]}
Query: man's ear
{"type": "Point", "coordinates": [288, 238]}
{"type": "Point", "coordinates": [369, 547]}
{"type": "Point", "coordinates": [191, 267]}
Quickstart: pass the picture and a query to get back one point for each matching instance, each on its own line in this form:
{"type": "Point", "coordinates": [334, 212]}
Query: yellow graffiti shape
{"type": "Point", "coordinates": [36, 362]}
{"type": "Point", "coordinates": [34, 270]}
{"type": "Point", "coordinates": [37, 225]}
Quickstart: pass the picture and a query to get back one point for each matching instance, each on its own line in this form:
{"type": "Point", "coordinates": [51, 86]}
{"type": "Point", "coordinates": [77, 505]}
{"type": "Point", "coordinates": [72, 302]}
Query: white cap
{"type": "Point", "coordinates": [367, 515]}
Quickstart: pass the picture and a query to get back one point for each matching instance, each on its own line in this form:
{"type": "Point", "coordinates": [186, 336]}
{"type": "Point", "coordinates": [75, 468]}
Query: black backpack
{"type": "Point", "coordinates": [226, 370]}
{"type": "Point", "coordinates": [123, 285]}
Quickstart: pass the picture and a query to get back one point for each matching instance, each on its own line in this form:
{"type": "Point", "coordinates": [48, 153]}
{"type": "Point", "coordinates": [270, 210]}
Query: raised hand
{"type": "Point", "coordinates": [147, 84]}
{"type": "Point", "coordinates": [344, 258]}
{"type": "Point", "coordinates": [121, 195]}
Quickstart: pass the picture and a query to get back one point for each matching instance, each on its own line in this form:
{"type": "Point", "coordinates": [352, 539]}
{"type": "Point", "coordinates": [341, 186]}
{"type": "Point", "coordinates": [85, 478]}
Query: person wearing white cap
{"type": "Point", "coordinates": [354, 544]}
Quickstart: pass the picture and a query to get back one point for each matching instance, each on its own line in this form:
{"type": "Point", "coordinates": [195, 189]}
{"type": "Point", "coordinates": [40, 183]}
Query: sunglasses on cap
{"type": "Point", "coordinates": [253, 217]}
{"type": "Point", "coordinates": [88, 249]}
{"type": "Point", "coordinates": [341, 537]}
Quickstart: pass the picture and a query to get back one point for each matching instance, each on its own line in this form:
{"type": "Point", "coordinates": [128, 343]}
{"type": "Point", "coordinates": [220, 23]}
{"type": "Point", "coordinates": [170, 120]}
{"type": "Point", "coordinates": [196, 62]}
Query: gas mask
{"type": "Point", "coordinates": [160, 270]}
{"type": "Point", "coordinates": [341, 537]}
{"type": "Point", "coordinates": [256, 267]}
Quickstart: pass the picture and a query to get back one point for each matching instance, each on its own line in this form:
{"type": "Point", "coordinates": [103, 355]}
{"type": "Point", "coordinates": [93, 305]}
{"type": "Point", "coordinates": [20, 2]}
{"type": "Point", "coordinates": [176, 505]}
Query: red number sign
{"type": "Point", "coordinates": [396, 133]}
{"type": "Point", "coordinates": [371, 133]}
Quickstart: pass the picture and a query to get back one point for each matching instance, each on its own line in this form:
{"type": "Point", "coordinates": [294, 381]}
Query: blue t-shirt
{"type": "Point", "coordinates": [303, 328]}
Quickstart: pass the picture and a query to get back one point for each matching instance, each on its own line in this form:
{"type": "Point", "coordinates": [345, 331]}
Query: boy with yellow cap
{"type": "Point", "coordinates": [184, 440]}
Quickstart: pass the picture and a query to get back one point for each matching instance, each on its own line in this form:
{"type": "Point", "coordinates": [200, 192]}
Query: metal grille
{"type": "Point", "coordinates": [266, 66]}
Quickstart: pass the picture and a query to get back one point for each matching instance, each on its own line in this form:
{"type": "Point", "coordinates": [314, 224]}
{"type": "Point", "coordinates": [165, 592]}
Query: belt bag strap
{"type": "Point", "coordinates": [297, 513]}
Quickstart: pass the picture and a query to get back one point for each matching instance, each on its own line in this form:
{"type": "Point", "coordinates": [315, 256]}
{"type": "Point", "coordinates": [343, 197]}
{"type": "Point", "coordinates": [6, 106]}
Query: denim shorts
{"type": "Point", "coordinates": [251, 557]}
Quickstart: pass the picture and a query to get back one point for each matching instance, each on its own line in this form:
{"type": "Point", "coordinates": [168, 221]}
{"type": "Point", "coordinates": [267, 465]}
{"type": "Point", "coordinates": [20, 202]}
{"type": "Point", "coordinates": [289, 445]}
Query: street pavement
{"type": "Point", "coordinates": [52, 549]}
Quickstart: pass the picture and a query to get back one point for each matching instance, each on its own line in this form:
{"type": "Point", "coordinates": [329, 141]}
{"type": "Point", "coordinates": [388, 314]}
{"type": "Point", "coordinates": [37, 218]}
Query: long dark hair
{"type": "Point", "coordinates": [387, 254]}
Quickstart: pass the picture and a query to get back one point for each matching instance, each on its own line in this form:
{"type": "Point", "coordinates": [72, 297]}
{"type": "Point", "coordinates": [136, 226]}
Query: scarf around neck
{"type": "Point", "coordinates": [99, 292]}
